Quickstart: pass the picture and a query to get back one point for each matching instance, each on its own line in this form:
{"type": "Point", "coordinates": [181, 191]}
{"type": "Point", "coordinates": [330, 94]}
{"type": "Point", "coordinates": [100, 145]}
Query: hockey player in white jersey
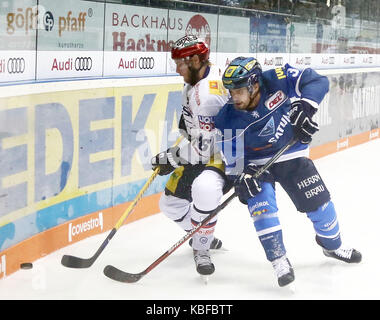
{"type": "Point", "coordinates": [197, 180]}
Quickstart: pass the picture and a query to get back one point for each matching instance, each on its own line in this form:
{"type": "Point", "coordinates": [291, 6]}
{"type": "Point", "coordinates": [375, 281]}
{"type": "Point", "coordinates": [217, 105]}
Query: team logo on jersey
{"type": "Point", "coordinates": [206, 122]}
{"type": "Point", "coordinates": [285, 120]}
{"type": "Point", "coordinates": [268, 129]}
{"type": "Point", "coordinates": [213, 84]}
{"type": "Point", "coordinates": [280, 73]}
{"type": "Point", "coordinates": [275, 100]}
{"type": "Point", "coordinates": [216, 87]}
{"type": "Point", "coordinates": [257, 208]}
{"type": "Point", "coordinates": [255, 114]}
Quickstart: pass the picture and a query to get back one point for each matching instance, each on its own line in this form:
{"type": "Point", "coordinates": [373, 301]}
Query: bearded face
{"type": "Point", "coordinates": [188, 70]}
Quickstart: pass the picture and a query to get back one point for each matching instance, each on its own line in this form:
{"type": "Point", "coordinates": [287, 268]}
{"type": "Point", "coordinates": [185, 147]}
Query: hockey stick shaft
{"type": "Point", "coordinates": [76, 262]}
{"type": "Point", "coordinates": [122, 276]}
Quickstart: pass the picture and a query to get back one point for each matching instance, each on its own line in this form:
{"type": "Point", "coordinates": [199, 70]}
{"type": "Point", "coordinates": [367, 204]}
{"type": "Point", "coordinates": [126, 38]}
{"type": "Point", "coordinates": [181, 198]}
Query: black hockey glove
{"type": "Point", "coordinates": [182, 128]}
{"type": "Point", "coordinates": [167, 161]}
{"type": "Point", "coordinates": [300, 118]}
{"type": "Point", "coordinates": [246, 186]}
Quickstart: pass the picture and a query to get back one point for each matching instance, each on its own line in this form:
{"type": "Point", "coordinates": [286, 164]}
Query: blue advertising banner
{"type": "Point", "coordinates": [268, 34]}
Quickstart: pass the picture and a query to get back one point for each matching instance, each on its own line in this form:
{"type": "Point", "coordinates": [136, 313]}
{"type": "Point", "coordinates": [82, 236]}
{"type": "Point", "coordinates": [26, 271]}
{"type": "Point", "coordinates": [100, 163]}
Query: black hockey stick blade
{"type": "Point", "coordinates": [121, 276]}
{"type": "Point", "coordinates": [78, 263]}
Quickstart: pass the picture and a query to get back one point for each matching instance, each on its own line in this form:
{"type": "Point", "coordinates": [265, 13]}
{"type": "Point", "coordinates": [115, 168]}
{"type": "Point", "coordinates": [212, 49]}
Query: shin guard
{"type": "Point", "coordinates": [263, 210]}
{"type": "Point", "coordinates": [203, 238]}
{"type": "Point", "coordinates": [326, 226]}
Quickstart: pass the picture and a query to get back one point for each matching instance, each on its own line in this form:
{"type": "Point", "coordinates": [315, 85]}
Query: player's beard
{"type": "Point", "coordinates": [193, 76]}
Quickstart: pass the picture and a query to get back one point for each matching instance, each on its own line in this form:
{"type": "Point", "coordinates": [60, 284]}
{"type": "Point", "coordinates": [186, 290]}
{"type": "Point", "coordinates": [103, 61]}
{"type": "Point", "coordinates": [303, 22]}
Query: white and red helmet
{"type": "Point", "coordinates": [188, 46]}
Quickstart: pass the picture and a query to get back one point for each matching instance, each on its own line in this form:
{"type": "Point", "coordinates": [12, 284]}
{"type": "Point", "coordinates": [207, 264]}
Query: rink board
{"type": "Point", "coordinates": [78, 153]}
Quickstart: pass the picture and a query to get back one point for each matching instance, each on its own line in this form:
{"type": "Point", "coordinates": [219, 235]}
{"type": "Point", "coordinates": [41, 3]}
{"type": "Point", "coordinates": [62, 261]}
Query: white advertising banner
{"type": "Point", "coordinates": [138, 39]}
{"type": "Point", "coordinates": [266, 60]}
{"type": "Point", "coordinates": [118, 63]}
{"type": "Point", "coordinates": [70, 40]}
{"type": "Point", "coordinates": [332, 60]}
{"type": "Point", "coordinates": [132, 28]}
{"type": "Point", "coordinates": [53, 39]}
{"type": "Point", "coordinates": [71, 25]}
{"type": "Point", "coordinates": [272, 60]}
{"type": "Point", "coordinates": [313, 60]}
{"type": "Point", "coordinates": [17, 65]}
{"type": "Point", "coordinates": [365, 60]}
{"type": "Point", "coordinates": [18, 24]}
{"type": "Point", "coordinates": [69, 64]}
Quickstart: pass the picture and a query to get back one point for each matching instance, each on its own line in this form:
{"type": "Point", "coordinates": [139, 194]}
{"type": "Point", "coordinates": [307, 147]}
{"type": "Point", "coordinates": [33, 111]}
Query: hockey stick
{"type": "Point", "coordinates": [77, 262]}
{"type": "Point", "coordinates": [119, 275]}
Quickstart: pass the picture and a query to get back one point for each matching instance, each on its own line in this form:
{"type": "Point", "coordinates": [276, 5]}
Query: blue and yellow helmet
{"type": "Point", "coordinates": [242, 72]}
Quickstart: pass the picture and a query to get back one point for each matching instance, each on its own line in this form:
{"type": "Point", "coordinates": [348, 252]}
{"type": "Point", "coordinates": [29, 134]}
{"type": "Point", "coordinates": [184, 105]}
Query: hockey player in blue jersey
{"type": "Point", "coordinates": [267, 110]}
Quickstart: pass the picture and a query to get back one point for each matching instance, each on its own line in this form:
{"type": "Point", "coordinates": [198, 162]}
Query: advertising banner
{"type": "Point", "coordinates": [69, 64]}
{"type": "Point", "coordinates": [272, 60]}
{"type": "Point", "coordinates": [313, 60]}
{"type": "Point", "coordinates": [132, 28]}
{"type": "Point", "coordinates": [266, 60]}
{"type": "Point", "coordinates": [271, 33]}
{"type": "Point", "coordinates": [71, 26]}
{"type": "Point", "coordinates": [332, 60]}
{"type": "Point", "coordinates": [18, 25]}
{"type": "Point", "coordinates": [70, 40]}
{"type": "Point", "coordinates": [138, 39]}
{"type": "Point", "coordinates": [17, 65]}
{"type": "Point", "coordinates": [134, 63]}
{"type": "Point", "coordinates": [68, 153]}
{"type": "Point", "coordinates": [351, 107]}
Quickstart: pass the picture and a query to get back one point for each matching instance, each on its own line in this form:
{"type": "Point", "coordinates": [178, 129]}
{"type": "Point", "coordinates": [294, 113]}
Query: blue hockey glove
{"type": "Point", "coordinates": [246, 186]}
{"type": "Point", "coordinates": [300, 118]}
{"type": "Point", "coordinates": [167, 161]}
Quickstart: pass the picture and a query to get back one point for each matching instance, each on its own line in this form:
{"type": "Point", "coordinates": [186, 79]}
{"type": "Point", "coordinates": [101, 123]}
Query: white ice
{"type": "Point", "coordinates": [242, 271]}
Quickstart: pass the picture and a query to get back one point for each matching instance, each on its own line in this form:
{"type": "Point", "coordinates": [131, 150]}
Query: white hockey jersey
{"type": "Point", "coordinates": [200, 104]}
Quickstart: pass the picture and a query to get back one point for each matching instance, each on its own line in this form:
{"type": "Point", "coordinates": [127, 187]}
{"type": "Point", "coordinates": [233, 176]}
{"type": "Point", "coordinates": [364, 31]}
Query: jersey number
{"type": "Point", "coordinates": [293, 72]}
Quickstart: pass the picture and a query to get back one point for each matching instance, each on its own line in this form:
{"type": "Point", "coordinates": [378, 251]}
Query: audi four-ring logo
{"type": "Point", "coordinates": [146, 63]}
{"type": "Point", "coordinates": [83, 63]}
{"type": "Point", "coordinates": [16, 65]}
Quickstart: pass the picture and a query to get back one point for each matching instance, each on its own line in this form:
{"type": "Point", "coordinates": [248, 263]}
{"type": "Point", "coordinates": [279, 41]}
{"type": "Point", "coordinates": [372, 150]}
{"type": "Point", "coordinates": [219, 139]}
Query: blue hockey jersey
{"type": "Point", "coordinates": [255, 136]}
